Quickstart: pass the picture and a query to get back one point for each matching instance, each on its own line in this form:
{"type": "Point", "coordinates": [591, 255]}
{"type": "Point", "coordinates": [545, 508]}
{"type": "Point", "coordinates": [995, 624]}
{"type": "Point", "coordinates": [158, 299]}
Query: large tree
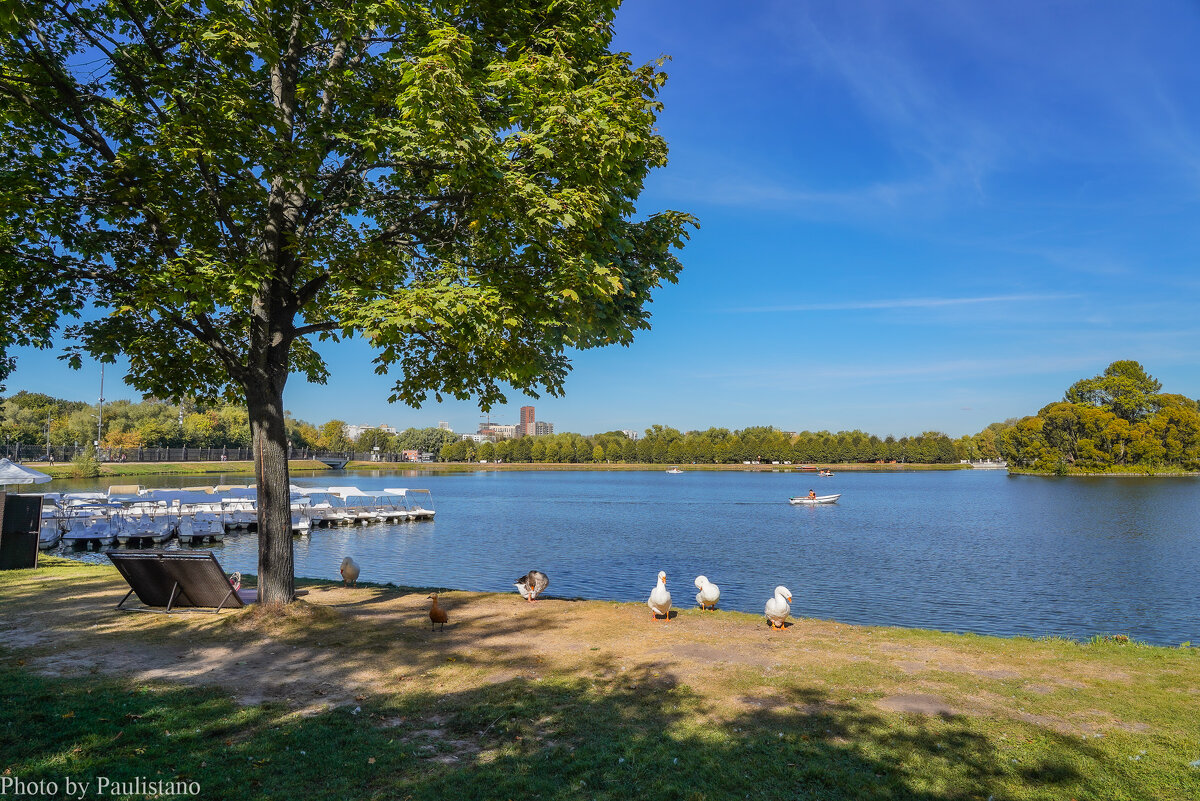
{"type": "Point", "coordinates": [1125, 388]}
{"type": "Point", "coordinates": [223, 181]}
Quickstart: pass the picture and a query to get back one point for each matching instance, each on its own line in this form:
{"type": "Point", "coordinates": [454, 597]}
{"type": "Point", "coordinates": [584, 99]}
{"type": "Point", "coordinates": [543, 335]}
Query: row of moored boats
{"type": "Point", "coordinates": [137, 516]}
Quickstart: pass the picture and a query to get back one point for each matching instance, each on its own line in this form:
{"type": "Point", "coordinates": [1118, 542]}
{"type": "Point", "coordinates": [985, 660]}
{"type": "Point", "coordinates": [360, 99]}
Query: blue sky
{"type": "Point", "coordinates": [917, 215]}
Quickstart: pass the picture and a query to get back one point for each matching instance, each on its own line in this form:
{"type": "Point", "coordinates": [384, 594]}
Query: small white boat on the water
{"type": "Point", "coordinates": [805, 500]}
{"type": "Point", "coordinates": [674, 471]}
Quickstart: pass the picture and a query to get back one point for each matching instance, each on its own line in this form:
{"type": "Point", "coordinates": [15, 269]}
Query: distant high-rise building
{"type": "Point", "coordinates": [444, 426]}
{"type": "Point", "coordinates": [527, 426]}
{"type": "Point", "coordinates": [540, 428]}
{"type": "Point", "coordinates": [503, 431]}
{"type": "Point", "coordinates": [629, 432]}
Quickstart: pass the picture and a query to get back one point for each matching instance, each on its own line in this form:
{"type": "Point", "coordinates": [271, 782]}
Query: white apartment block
{"type": "Point", "coordinates": [355, 431]}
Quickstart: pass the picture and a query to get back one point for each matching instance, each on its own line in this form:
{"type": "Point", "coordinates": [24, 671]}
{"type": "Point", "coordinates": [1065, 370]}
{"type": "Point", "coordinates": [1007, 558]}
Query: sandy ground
{"type": "Point", "coordinates": [342, 645]}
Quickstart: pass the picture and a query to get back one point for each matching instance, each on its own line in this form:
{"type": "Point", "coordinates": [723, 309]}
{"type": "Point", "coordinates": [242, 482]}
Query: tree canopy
{"type": "Point", "coordinates": [221, 182]}
{"type": "Point", "coordinates": [209, 175]}
{"type": "Point", "coordinates": [1116, 420]}
{"type": "Point", "coordinates": [1124, 388]}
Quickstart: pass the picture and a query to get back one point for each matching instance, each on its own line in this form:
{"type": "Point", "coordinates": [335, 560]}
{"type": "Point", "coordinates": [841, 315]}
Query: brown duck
{"type": "Point", "coordinates": [437, 614]}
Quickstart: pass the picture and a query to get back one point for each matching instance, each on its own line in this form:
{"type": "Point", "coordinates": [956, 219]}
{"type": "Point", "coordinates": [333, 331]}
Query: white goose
{"type": "Point", "coordinates": [709, 593]}
{"type": "Point", "coordinates": [349, 571]}
{"type": "Point", "coordinates": [779, 607]}
{"type": "Point", "coordinates": [660, 599]}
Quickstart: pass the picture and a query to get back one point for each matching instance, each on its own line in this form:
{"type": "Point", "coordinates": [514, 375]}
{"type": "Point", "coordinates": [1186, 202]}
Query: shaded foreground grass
{"type": "Point", "coordinates": [572, 700]}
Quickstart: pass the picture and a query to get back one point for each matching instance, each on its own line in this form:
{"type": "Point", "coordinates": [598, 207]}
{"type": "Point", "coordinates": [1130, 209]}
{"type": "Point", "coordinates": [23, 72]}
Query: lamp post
{"type": "Point", "coordinates": [100, 417]}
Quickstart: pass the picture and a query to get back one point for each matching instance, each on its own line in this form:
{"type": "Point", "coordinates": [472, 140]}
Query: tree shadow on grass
{"type": "Point", "coordinates": [637, 733]}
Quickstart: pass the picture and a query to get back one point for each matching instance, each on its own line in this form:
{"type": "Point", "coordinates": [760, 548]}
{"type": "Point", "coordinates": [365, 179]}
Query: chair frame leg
{"type": "Point", "coordinates": [174, 595]}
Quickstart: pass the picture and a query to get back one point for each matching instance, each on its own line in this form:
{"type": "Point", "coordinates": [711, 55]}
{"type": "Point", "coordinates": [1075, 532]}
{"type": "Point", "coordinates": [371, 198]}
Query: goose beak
{"type": "Point", "coordinates": [789, 599]}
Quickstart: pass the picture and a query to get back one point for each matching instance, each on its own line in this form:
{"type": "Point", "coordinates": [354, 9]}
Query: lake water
{"type": "Point", "coordinates": [959, 551]}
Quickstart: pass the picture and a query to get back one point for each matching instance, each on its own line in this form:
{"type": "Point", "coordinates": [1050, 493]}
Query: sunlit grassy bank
{"type": "Point", "coordinates": [349, 695]}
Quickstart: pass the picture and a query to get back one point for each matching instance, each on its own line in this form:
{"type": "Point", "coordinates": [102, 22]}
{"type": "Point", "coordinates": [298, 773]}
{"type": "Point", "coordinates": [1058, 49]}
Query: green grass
{"type": "Point", "coordinates": [456, 725]}
{"type": "Point", "coordinates": [564, 737]}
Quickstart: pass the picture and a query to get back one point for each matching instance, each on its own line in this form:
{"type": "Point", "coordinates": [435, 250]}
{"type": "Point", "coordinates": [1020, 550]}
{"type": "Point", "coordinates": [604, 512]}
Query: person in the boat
{"type": "Point", "coordinates": [812, 496]}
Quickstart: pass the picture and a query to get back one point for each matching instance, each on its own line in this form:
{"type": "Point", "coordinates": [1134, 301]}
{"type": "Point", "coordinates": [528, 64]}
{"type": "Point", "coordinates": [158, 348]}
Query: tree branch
{"type": "Point", "coordinates": [329, 325]}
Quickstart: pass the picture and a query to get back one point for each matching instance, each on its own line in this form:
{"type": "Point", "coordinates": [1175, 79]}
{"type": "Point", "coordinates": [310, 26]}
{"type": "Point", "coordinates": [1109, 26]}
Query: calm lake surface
{"type": "Point", "coordinates": [959, 551]}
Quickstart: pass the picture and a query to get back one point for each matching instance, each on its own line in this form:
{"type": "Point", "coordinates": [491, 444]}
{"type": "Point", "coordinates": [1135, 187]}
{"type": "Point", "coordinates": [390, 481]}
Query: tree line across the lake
{"type": "Point", "coordinates": [25, 418]}
{"type": "Point", "coordinates": [1117, 420]}
{"type": "Point", "coordinates": [35, 420]}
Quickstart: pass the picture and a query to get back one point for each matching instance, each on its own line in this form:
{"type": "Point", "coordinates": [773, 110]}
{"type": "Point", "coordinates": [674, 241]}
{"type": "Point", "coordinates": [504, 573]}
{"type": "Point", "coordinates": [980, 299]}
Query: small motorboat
{"type": "Point", "coordinates": [674, 471]}
{"type": "Point", "coordinates": [826, 474]}
{"type": "Point", "coordinates": [804, 499]}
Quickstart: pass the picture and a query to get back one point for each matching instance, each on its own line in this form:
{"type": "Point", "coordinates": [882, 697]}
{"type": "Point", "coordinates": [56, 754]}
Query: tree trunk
{"type": "Point", "coordinates": [276, 568]}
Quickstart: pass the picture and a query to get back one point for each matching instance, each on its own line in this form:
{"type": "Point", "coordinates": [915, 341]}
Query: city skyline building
{"type": "Point", "coordinates": [354, 431]}
{"type": "Point", "coordinates": [502, 431]}
{"type": "Point", "coordinates": [527, 421]}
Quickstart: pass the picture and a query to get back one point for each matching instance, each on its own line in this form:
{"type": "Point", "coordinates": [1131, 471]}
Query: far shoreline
{"type": "Point", "coordinates": [1106, 474]}
{"type": "Point", "coordinates": [453, 467]}
{"type": "Point", "coordinates": [309, 467]}
{"type": "Point", "coordinates": [63, 470]}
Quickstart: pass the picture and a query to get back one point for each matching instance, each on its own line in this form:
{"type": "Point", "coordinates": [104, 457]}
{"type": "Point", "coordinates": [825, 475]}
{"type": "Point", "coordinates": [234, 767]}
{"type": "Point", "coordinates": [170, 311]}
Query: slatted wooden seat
{"type": "Point", "coordinates": [166, 580]}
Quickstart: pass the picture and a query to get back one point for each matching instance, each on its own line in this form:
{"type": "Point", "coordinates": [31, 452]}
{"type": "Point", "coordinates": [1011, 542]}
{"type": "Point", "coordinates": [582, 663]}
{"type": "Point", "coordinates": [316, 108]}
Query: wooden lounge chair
{"type": "Point", "coordinates": [172, 579]}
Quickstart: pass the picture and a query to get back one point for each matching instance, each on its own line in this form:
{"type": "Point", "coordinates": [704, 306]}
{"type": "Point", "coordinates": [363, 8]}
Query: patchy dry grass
{"type": "Point", "coordinates": [348, 694]}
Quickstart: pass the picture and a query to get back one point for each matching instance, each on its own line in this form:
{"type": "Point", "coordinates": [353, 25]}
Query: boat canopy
{"type": "Point", "coordinates": [326, 497]}
{"type": "Point", "coordinates": [180, 496]}
{"type": "Point", "coordinates": [92, 503]}
{"type": "Point", "coordinates": [345, 492]}
{"type": "Point", "coordinates": [402, 491]}
{"type": "Point", "coordinates": [80, 497]}
{"type": "Point", "coordinates": [130, 499]}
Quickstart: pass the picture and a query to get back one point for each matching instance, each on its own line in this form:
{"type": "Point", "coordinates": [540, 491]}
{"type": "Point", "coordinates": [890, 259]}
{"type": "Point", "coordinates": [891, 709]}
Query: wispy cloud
{"type": "Point", "coordinates": [738, 187]}
{"type": "Point", "coordinates": [846, 375]}
{"type": "Point", "coordinates": [904, 303]}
